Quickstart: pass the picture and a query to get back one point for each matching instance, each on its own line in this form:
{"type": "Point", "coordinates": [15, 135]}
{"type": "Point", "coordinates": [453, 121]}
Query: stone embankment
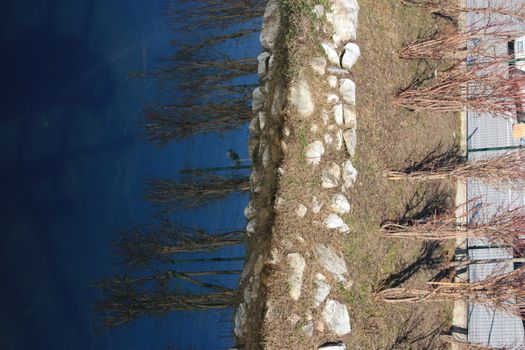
{"type": "Point", "coordinates": [292, 283]}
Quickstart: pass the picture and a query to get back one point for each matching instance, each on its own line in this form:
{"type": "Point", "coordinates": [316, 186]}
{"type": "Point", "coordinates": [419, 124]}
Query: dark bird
{"type": "Point", "coordinates": [234, 157]}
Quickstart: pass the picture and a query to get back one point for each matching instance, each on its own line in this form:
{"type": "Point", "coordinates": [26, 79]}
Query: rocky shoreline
{"type": "Point", "coordinates": [304, 129]}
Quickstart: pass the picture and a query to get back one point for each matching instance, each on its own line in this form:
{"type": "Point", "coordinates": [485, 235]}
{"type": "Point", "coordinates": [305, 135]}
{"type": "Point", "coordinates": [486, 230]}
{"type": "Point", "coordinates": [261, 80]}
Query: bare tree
{"type": "Point", "coordinates": [503, 170]}
{"type": "Point", "coordinates": [490, 86]}
{"type": "Point", "coordinates": [454, 8]}
{"type": "Point", "coordinates": [505, 227]}
{"type": "Point", "coordinates": [505, 292]}
{"type": "Point", "coordinates": [452, 44]}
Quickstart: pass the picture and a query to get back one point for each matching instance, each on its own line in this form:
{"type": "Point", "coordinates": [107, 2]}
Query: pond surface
{"type": "Point", "coordinates": [73, 165]}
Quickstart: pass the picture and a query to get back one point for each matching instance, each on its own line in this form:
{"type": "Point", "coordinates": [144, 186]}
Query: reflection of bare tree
{"type": "Point", "coordinates": [126, 299]}
{"type": "Point", "coordinates": [196, 190]}
{"type": "Point", "coordinates": [206, 14]}
{"type": "Point", "coordinates": [140, 245]}
{"type": "Point", "coordinates": [167, 122]}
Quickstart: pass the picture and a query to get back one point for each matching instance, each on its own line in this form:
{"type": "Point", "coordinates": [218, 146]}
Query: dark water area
{"type": "Point", "coordinates": [72, 170]}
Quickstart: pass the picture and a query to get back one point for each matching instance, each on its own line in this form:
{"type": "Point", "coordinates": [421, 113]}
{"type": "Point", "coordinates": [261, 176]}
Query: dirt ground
{"type": "Point", "coordinates": [388, 138]}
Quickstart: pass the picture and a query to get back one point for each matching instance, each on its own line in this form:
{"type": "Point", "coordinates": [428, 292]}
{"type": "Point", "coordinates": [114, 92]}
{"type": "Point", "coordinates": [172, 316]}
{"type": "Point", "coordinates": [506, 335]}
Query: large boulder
{"type": "Point", "coordinates": [314, 152]}
{"type": "Point", "coordinates": [301, 98]}
{"type": "Point", "coordinates": [295, 277]}
{"type": "Point", "coordinates": [343, 18]}
{"type": "Point", "coordinates": [333, 263]}
{"type": "Point", "coordinates": [271, 25]}
{"type": "Point", "coordinates": [335, 316]}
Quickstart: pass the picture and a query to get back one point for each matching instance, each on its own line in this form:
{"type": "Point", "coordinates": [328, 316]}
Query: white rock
{"type": "Point", "coordinates": [336, 317]}
{"type": "Point", "coordinates": [339, 138]}
{"type": "Point", "coordinates": [322, 289]}
{"type": "Point", "coordinates": [347, 90]}
{"type": "Point", "coordinates": [253, 126]}
{"type": "Point", "coordinates": [316, 205]}
{"type": "Point", "coordinates": [294, 319]}
{"type": "Point", "coordinates": [349, 175]}
{"type": "Point", "coordinates": [266, 157]}
{"type": "Point", "coordinates": [350, 55]}
{"type": "Point", "coordinates": [334, 222]}
{"type": "Point", "coordinates": [333, 263]}
{"type": "Point", "coordinates": [255, 178]}
{"type": "Point", "coordinates": [250, 228]}
{"type": "Point", "coordinates": [284, 147]}
{"type": "Point", "coordinates": [318, 11]}
{"type": "Point", "coordinates": [314, 152]}
{"type": "Point", "coordinates": [328, 139]}
{"type": "Point", "coordinates": [338, 72]}
{"type": "Point", "coordinates": [280, 169]}
{"type": "Point", "coordinates": [252, 290]}
{"type": "Point", "coordinates": [330, 176]}
{"type": "Point", "coordinates": [250, 212]}
{"type": "Point", "coordinates": [349, 116]}
{"type": "Point", "coordinates": [280, 203]}
{"type": "Point", "coordinates": [262, 68]}
{"type": "Point", "coordinates": [339, 204]}
{"type": "Point", "coordinates": [257, 100]}
{"type": "Point", "coordinates": [262, 120]}
{"type": "Point", "coordinates": [333, 346]}
{"type": "Point", "coordinates": [332, 81]}
{"type": "Point", "coordinates": [314, 128]}
{"type": "Point", "coordinates": [331, 54]}
{"type": "Point", "coordinates": [275, 258]}
{"type": "Point", "coordinates": [301, 98]}
{"type": "Point", "coordinates": [301, 211]}
{"type": "Point", "coordinates": [308, 328]}
{"type": "Point", "coordinates": [271, 25]}
{"type": "Point", "coordinates": [344, 20]}
{"type": "Point", "coordinates": [295, 278]}
{"type": "Point", "coordinates": [350, 138]}
{"type": "Point", "coordinates": [318, 64]}
{"type": "Point", "coordinates": [240, 320]}
{"type": "Point", "coordinates": [286, 131]}
{"type": "Point", "coordinates": [332, 98]}
{"type": "Point", "coordinates": [257, 269]}
{"type": "Point", "coordinates": [338, 114]}
{"type": "Point", "coordinates": [324, 116]}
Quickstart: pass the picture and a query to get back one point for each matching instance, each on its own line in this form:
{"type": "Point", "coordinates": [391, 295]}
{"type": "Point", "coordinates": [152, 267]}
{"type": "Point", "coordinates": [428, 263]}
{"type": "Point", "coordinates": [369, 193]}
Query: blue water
{"type": "Point", "coordinates": [72, 168]}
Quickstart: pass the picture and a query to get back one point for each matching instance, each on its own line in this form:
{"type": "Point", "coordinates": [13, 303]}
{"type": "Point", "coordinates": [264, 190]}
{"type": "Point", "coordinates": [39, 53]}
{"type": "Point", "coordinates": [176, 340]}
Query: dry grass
{"type": "Point", "coordinates": [387, 137]}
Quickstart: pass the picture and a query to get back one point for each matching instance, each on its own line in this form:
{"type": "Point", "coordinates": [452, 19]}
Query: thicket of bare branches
{"type": "Point", "coordinates": [452, 44]}
{"type": "Point", "coordinates": [195, 191]}
{"type": "Point", "coordinates": [454, 8]}
{"type": "Point", "coordinates": [139, 246]}
{"type": "Point", "coordinates": [465, 345]}
{"type": "Point", "coordinates": [503, 170]}
{"type": "Point", "coordinates": [490, 87]}
{"type": "Point", "coordinates": [505, 227]}
{"type": "Point", "coordinates": [505, 292]}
